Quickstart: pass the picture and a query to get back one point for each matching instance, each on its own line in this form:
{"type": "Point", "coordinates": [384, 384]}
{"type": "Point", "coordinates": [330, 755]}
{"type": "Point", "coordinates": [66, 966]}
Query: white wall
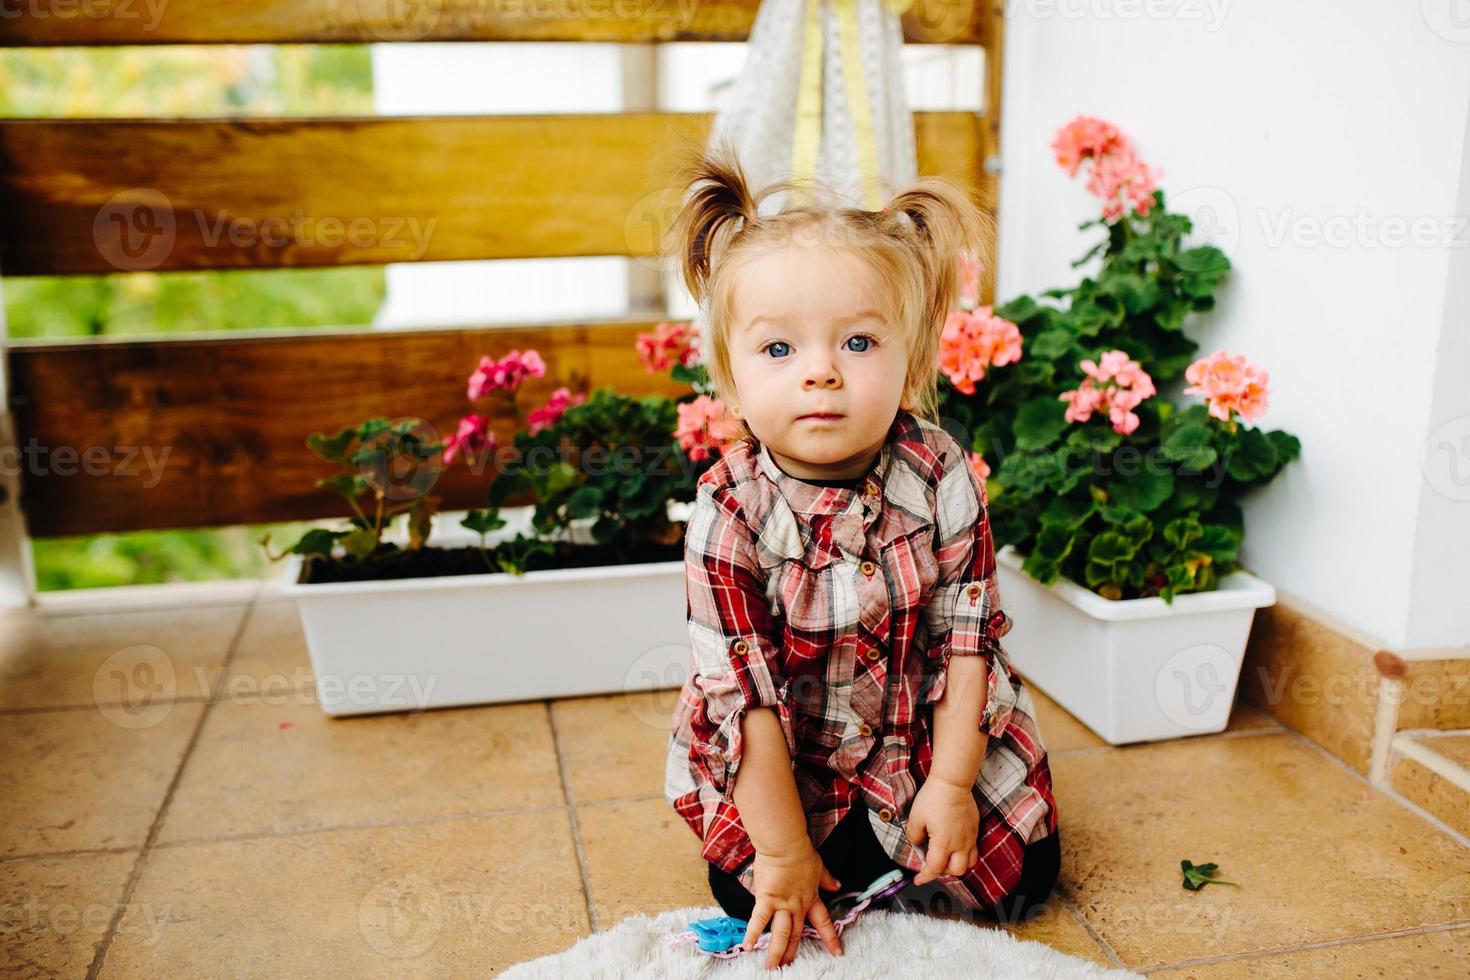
{"type": "Point", "coordinates": [1439, 590]}
{"type": "Point", "coordinates": [1307, 135]}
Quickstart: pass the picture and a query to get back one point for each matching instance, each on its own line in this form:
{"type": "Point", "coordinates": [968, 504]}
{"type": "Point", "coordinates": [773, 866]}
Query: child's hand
{"type": "Point", "coordinates": [946, 814]}
{"type": "Point", "coordinates": [786, 896]}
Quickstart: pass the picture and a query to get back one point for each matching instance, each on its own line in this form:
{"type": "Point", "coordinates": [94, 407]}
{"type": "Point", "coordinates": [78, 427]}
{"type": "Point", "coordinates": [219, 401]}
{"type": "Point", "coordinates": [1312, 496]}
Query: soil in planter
{"type": "Point", "coordinates": [437, 562]}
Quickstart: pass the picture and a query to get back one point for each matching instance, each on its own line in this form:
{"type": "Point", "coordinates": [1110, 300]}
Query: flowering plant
{"type": "Point", "coordinates": [1098, 477]}
{"type": "Point", "coordinates": [616, 460]}
{"type": "Point", "coordinates": [619, 460]}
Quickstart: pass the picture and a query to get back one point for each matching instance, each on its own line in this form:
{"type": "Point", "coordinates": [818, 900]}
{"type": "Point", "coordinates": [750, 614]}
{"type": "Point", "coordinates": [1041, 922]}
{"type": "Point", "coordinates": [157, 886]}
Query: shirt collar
{"type": "Point", "coordinates": [808, 498]}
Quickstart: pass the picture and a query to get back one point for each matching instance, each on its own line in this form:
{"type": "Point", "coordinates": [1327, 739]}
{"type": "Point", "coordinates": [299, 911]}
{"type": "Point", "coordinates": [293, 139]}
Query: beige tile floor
{"type": "Point", "coordinates": [177, 805]}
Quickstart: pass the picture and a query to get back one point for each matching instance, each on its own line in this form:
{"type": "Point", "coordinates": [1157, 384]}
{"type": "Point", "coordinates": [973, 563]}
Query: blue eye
{"type": "Point", "coordinates": [867, 342]}
{"type": "Point", "coordinates": [776, 343]}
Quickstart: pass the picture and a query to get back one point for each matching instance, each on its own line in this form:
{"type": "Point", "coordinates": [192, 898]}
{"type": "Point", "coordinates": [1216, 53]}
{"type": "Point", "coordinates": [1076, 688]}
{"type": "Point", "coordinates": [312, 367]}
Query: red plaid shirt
{"type": "Point", "coordinates": [840, 608]}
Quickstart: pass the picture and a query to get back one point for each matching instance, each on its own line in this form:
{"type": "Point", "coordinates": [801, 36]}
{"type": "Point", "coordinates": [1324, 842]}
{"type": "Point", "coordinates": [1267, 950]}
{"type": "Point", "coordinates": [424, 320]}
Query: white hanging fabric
{"type": "Point", "coordinates": [821, 97]}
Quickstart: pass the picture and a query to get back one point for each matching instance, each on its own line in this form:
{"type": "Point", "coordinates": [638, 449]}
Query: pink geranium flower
{"type": "Point", "coordinates": [505, 374]}
{"type": "Point", "coordinates": [1084, 138]}
{"type": "Point", "coordinates": [1121, 180]}
{"type": "Point", "coordinates": [1115, 386]}
{"type": "Point", "coordinates": [973, 341]}
{"type": "Point", "coordinates": [704, 426]}
{"type": "Point", "coordinates": [1118, 176]}
{"type": "Point", "coordinates": [472, 438]}
{"type": "Point", "coordinates": [555, 407]}
{"type": "Point", "coordinates": [669, 343]}
{"type": "Point", "coordinates": [1229, 383]}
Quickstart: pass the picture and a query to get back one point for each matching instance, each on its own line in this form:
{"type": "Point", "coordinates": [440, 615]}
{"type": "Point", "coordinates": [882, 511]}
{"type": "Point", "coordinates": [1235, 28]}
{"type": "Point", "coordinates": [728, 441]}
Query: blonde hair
{"type": "Point", "coordinates": [913, 246]}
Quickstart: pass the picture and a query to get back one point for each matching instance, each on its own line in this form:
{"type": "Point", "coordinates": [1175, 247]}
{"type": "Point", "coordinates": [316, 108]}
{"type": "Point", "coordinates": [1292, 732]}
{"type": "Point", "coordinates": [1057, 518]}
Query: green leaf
{"type": "Point", "coordinates": [333, 449]}
{"type": "Point", "coordinates": [631, 487]}
{"type": "Point", "coordinates": [483, 521]}
{"type": "Point", "coordinates": [1254, 457]}
{"type": "Point", "coordinates": [560, 477]}
{"type": "Point", "coordinates": [1019, 310]}
{"type": "Point", "coordinates": [1034, 373]}
{"type": "Point", "coordinates": [1051, 344]}
{"type": "Point", "coordinates": [361, 543]}
{"type": "Point", "coordinates": [1040, 568]}
{"type": "Point", "coordinates": [506, 485]}
{"type": "Point", "coordinates": [1064, 512]}
{"type": "Point", "coordinates": [605, 529]}
{"type": "Point", "coordinates": [1221, 543]}
{"type": "Point", "coordinates": [1128, 522]}
{"type": "Point", "coordinates": [1054, 543]}
{"type": "Point", "coordinates": [1190, 446]}
{"type": "Point", "coordinates": [372, 427]}
{"type": "Point", "coordinates": [1099, 573]}
{"type": "Point", "coordinates": [1039, 422]}
{"type": "Point", "coordinates": [1196, 876]}
{"type": "Point", "coordinates": [1144, 490]}
{"type": "Point", "coordinates": [1094, 438]}
{"type": "Point", "coordinates": [695, 375]}
{"type": "Point", "coordinates": [317, 541]}
{"type": "Point", "coordinates": [1203, 259]}
{"type": "Point", "coordinates": [1110, 547]}
{"type": "Point", "coordinates": [1288, 447]}
{"type": "Point", "coordinates": [1181, 532]}
{"type": "Point", "coordinates": [1090, 315]}
{"type": "Point", "coordinates": [1193, 493]}
{"type": "Point", "coordinates": [586, 501]}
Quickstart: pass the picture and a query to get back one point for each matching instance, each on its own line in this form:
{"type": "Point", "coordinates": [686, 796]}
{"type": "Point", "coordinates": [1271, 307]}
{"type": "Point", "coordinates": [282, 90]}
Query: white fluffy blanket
{"type": "Point", "coordinates": [881, 945]}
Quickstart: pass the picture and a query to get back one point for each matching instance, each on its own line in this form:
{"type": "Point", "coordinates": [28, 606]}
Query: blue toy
{"type": "Point", "coordinates": [721, 935]}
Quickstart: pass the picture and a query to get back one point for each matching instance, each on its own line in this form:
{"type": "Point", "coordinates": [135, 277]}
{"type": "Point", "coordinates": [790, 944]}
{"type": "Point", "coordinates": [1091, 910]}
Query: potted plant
{"type": "Point", "coordinates": [581, 592]}
{"type": "Point", "coordinates": [1116, 512]}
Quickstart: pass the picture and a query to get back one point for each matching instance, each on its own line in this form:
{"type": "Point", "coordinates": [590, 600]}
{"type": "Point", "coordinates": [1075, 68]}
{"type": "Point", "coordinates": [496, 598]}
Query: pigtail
{"type": "Point", "coordinates": [935, 224]}
{"type": "Point", "coordinates": [944, 225]}
{"type": "Point", "coordinates": [716, 207]}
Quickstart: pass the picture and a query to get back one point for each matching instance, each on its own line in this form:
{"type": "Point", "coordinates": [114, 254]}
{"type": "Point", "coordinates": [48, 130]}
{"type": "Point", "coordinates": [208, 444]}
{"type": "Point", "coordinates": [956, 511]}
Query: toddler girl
{"type": "Point", "coordinates": [850, 709]}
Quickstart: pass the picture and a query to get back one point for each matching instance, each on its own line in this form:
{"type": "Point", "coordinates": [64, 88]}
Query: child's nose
{"type": "Point", "coordinates": [822, 374]}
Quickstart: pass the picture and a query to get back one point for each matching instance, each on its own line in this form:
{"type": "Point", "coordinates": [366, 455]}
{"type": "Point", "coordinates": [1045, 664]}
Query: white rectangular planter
{"type": "Point", "coordinates": [1132, 670]}
{"type": "Point", "coordinates": [411, 644]}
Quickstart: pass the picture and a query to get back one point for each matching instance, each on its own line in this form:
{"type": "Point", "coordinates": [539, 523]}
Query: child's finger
{"type": "Point", "coordinates": [934, 863]}
{"type": "Point", "coordinates": [780, 939]}
{"type": "Point", "coordinates": [822, 920]}
{"type": "Point", "coordinates": [958, 863]}
{"type": "Point", "coordinates": [758, 920]}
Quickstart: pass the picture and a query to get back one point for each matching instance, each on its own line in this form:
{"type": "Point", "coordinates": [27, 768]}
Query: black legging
{"type": "Point", "coordinates": [855, 856]}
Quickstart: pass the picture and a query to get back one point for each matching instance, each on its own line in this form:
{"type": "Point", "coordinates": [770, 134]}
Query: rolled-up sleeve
{"type": "Point", "coordinates": [736, 663]}
{"type": "Point", "coordinates": [964, 617]}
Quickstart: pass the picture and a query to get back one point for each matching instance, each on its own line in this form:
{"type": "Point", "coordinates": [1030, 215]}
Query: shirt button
{"type": "Point", "coordinates": [741, 646]}
{"type": "Point", "coordinates": [873, 653]}
{"type": "Point", "coordinates": [885, 815]}
{"type": "Point", "coordinates": [974, 590]}
{"type": "Point", "coordinates": [872, 489]}
{"type": "Point", "coordinates": [865, 729]}
{"type": "Point", "coordinates": [869, 568]}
